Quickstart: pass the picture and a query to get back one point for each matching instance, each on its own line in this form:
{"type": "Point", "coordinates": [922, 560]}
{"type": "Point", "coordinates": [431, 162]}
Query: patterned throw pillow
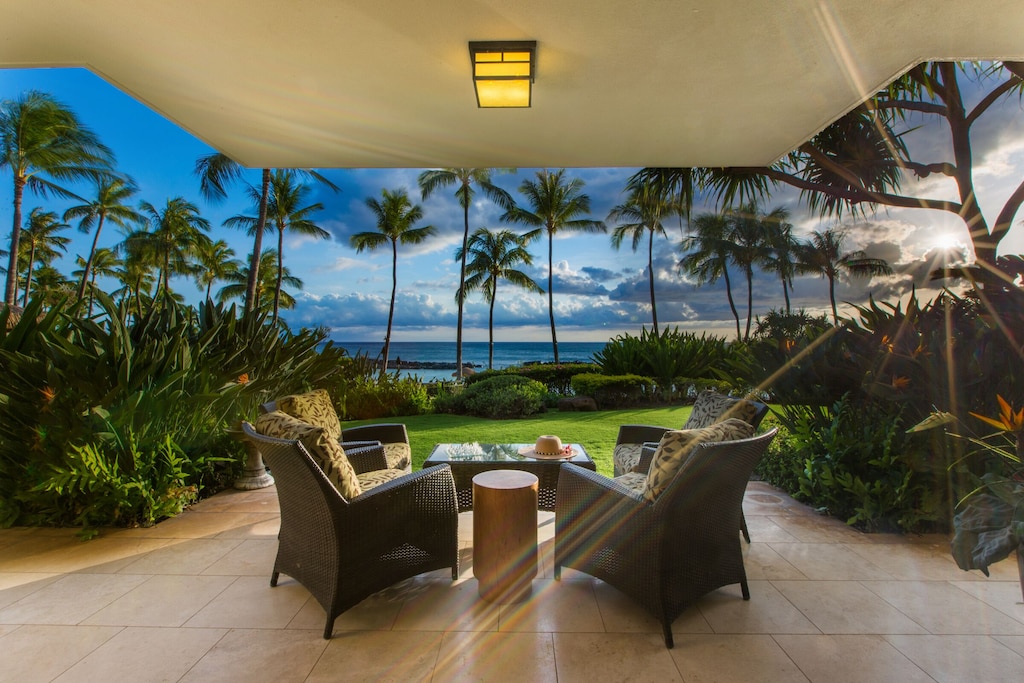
{"type": "Point", "coordinates": [314, 407]}
{"type": "Point", "coordinates": [711, 407]}
{"type": "Point", "coordinates": [326, 451]}
{"type": "Point", "coordinates": [674, 451]}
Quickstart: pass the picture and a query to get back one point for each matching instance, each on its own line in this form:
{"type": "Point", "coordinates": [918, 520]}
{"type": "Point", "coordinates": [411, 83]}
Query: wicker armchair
{"type": "Point", "coordinates": [343, 551]}
{"type": "Point", "coordinates": [315, 407]}
{"type": "Point", "coordinates": [709, 407]}
{"type": "Point", "coordinates": [664, 555]}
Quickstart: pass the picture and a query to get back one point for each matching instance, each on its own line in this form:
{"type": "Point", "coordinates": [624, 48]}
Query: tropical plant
{"type": "Point", "coordinates": [395, 216]}
{"type": "Point", "coordinates": [555, 205]}
{"type": "Point", "coordinates": [42, 139]}
{"type": "Point", "coordinates": [643, 212]}
{"type": "Point", "coordinates": [41, 242]}
{"type": "Point", "coordinates": [110, 203]}
{"type": "Point", "coordinates": [465, 178]}
{"type": "Point", "coordinates": [825, 256]}
{"type": "Point", "coordinates": [495, 256]}
{"type": "Point", "coordinates": [706, 255]}
{"type": "Point", "coordinates": [498, 398]}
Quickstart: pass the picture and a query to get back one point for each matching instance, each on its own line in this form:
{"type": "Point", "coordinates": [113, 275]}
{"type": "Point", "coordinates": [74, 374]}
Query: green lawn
{"type": "Point", "coordinates": [596, 431]}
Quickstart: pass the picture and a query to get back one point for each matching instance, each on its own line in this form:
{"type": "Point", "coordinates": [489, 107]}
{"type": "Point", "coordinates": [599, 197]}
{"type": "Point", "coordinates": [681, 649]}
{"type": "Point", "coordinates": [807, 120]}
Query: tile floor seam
{"type": "Point", "coordinates": [786, 652]}
{"type": "Point", "coordinates": [956, 585]}
{"type": "Point", "coordinates": [928, 631]}
{"type": "Point", "coordinates": [793, 605]}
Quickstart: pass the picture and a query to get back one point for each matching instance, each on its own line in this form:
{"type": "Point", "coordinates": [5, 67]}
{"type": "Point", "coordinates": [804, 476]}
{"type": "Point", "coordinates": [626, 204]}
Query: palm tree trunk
{"type": "Point", "coordinates": [257, 245]}
{"type": "Point", "coordinates": [650, 276]}
{"type": "Point", "coordinates": [92, 253]}
{"type": "Point", "coordinates": [391, 312]}
{"type": "Point", "coordinates": [461, 293]}
{"type": "Point", "coordinates": [11, 291]}
{"type": "Point", "coordinates": [28, 274]}
{"type": "Point", "coordinates": [732, 304]}
{"type": "Point", "coordinates": [551, 298]}
{"type": "Point", "coordinates": [785, 293]}
{"type": "Point", "coordinates": [92, 293]}
{"type": "Point", "coordinates": [832, 298]}
{"type": "Point", "coordinates": [280, 270]}
{"type": "Point", "coordinates": [750, 301]}
{"type": "Point", "coordinates": [490, 325]}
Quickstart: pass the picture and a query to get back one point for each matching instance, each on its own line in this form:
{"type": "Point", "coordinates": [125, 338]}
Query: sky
{"type": "Point", "coordinates": [599, 292]}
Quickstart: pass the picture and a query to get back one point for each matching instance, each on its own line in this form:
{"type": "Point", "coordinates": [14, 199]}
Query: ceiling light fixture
{"type": "Point", "coordinates": [503, 72]}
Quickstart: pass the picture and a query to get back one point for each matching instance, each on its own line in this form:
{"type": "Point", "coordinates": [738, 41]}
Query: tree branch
{"type": "Point", "coordinates": [925, 107]}
{"type": "Point", "coordinates": [991, 98]}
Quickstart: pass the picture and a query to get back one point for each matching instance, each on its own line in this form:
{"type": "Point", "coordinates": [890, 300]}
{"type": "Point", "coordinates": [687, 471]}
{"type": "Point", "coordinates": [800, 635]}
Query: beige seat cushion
{"type": "Point", "coordinates": [314, 407]}
{"type": "Point", "coordinates": [325, 450]}
{"type": "Point", "coordinates": [674, 451]}
{"type": "Point", "coordinates": [367, 480]}
{"type": "Point", "coordinates": [634, 481]}
{"type": "Point", "coordinates": [399, 456]}
{"type": "Point", "coordinates": [625, 457]}
{"type": "Point", "coordinates": [711, 407]}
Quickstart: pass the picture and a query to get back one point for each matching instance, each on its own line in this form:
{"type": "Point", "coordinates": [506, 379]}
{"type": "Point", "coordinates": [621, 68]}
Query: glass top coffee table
{"type": "Point", "coordinates": [470, 459]}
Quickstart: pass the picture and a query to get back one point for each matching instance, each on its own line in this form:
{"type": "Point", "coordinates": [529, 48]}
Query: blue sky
{"type": "Point", "coordinates": [599, 292]}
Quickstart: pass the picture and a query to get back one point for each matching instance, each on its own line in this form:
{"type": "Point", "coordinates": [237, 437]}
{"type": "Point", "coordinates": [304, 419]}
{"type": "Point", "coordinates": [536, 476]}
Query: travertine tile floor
{"type": "Point", "coordinates": [189, 600]}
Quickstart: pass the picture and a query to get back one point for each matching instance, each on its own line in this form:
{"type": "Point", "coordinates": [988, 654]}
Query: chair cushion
{"type": "Point", "coordinates": [711, 407]}
{"type": "Point", "coordinates": [634, 481]}
{"type": "Point", "coordinates": [325, 451]}
{"type": "Point", "coordinates": [314, 407]}
{"type": "Point", "coordinates": [399, 457]}
{"type": "Point", "coordinates": [367, 480]}
{"type": "Point", "coordinates": [676, 446]}
{"type": "Point", "coordinates": [625, 457]}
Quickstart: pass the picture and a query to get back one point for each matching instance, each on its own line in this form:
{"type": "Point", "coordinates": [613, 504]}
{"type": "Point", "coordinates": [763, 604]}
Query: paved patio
{"type": "Point", "coordinates": [189, 600]}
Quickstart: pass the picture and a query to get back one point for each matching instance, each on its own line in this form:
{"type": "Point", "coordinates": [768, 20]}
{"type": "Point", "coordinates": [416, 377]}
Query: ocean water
{"type": "Point", "coordinates": [475, 353]}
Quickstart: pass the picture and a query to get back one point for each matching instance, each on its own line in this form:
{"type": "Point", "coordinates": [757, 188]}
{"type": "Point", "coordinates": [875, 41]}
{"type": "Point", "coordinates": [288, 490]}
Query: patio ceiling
{"type": "Point", "coordinates": [386, 83]}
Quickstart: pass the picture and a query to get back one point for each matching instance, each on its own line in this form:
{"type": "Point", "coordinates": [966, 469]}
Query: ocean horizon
{"type": "Point", "coordinates": [506, 354]}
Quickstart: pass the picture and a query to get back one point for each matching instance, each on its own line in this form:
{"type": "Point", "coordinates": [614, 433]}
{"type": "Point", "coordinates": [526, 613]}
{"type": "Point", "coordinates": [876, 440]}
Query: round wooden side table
{"type": "Point", "coordinates": [505, 534]}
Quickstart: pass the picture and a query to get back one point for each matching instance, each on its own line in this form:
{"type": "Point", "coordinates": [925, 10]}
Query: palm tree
{"type": "Point", "coordinates": [136, 272]}
{"type": "Point", "coordinates": [266, 284]}
{"type": "Point", "coordinates": [644, 209]}
{"type": "Point", "coordinates": [111, 195]}
{"type": "Point", "coordinates": [495, 256]}
{"type": "Point", "coordinates": [41, 137]}
{"type": "Point", "coordinates": [177, 231]}
{"type": "Point", "coordinates": [395, 217]}
{"type": "Point", "coordinates": [215, 172]}
{"type": "Point", "coordinates": [465, 178]}
{"type": "Point", "coordinates": [50, 285]}
{"type": "Point", "coordinates": [707, 251]}
{"type": "Point", "coordinates": [782, 250]}
{"type": "Point", "coordinates": [216, 262]}
{"type": "Point", "coordinates": [555, 203]}
{"type": "Point", "coordinates": [285, 211]}
{"type": "Point", "coordinates": [104, 263]}
{"type": "Point", "coordinates": [40, 241]}
{"type": "Point", "coordinates": [747, 233]}
{"type": "Point", "coordinates": [824, 256]}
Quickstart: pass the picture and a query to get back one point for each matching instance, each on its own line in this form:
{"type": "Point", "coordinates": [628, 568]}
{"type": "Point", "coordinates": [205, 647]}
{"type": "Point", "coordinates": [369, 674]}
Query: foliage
{"type": "Point", "coordinates": [498, 397]}
{"type": "Point", "coordinates": [664, 356]}
{"type": "Point", "coordinates": [558, 378]}
{"type": "Point", "coordinates": [860, 464]}
{"type": "Point", "coordinates": [383, 395]}
{"type": "Point", "coordinates": [91, 406]}
{"type": "Point", "coordinates": [780, 466]}
{"type": "Point", "coordinates": [613, 391]}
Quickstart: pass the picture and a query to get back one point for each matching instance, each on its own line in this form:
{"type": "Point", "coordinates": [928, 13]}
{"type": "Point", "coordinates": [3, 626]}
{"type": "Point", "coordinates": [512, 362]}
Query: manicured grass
{"type": "Point", "coordinates": [596, 431]}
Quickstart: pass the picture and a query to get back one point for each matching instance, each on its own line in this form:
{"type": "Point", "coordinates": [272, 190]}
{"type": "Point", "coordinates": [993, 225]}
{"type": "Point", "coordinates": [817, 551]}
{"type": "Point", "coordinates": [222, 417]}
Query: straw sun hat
{"type": "Point", "coordinates": [548, 447]}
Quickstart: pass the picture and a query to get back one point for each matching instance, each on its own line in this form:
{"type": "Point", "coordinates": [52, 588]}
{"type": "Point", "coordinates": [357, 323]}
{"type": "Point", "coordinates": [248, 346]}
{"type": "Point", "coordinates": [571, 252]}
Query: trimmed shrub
{"type": "Point", "coordinates": [558, 378]}
{"type": "Point", "coordinates": [611, 391]}
{"type": "Point", "coordinates": [499, 397]}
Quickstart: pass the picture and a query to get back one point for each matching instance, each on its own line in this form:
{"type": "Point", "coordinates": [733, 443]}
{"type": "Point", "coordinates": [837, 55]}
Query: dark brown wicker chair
{"type": "Point", "coordinates": [344, 551]}
{"type": "Point", "coordinates": [667, 554]}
